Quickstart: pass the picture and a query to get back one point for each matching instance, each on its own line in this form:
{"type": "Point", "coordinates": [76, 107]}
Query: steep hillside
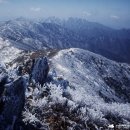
{"type": "Point", "coordinates": [96, 75]}
{"type": "Point", "coordinates": [73, 89]}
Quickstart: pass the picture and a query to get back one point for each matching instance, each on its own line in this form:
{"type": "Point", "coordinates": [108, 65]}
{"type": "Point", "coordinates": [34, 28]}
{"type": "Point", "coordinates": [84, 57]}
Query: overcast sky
{"type": "Point", "coordinates": [113, 13]}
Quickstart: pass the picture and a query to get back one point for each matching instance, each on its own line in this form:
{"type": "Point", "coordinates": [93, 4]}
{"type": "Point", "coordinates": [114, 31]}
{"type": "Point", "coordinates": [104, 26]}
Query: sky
{"type": "Point", "coordinates": [113, 13]}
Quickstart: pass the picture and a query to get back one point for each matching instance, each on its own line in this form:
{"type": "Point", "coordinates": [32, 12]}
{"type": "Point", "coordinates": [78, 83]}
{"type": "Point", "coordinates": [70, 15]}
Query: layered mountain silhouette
{"type": "Point", "coordinates": [74, 32]}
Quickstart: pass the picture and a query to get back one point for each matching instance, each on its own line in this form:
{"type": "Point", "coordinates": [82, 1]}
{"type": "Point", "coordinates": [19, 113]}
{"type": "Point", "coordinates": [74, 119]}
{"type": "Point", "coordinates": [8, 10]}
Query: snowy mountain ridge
{"type": "Point", "coordinates": [93, 73]}
{"type": "Point", "coordinates": [7, 51]}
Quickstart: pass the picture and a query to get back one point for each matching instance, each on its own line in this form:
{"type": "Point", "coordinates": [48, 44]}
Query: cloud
{"type": "Point", "coordinates": [37, 9]}
{"type": "Point", "coordinates": [115, 17]}
{"type": "Point", "coordinates": [85, 13]}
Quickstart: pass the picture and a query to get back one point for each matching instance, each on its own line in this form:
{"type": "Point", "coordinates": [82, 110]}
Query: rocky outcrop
{"type": "Point", "coordinates": [12, 100]}
{"type": "Point", "coordinates": [12, 90]}
{"type": "Point", "coordinates": [3, 79]}
{"type": "Point", "coordinates": [37, 69]}
{"type": "Point", "coordinates": [40, 69]}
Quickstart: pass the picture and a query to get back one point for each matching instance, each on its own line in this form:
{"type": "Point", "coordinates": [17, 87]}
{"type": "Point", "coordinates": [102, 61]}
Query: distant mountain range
{"type": "Point", "coordinates": [60, 34]}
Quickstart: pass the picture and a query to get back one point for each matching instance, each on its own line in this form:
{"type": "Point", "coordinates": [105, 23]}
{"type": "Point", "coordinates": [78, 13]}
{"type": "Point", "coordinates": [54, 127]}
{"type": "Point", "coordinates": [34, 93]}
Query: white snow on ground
{"type": "Point", "coordinates": [81, 74]}
{"type": "Point", "coordinates": [80, 68]}
{"type": "Point", "coordinates": [7, 52]}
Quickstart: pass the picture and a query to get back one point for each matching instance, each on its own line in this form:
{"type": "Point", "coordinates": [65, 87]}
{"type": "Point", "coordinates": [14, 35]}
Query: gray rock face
{"type": "Point", "coordinates": [12, 98]}
{"type": "Point", "coordinates": [3, 78]}
{"type": "Point", "coordinates": [12, 90]}
{"type": "Point", "coordinates": [40, 70]}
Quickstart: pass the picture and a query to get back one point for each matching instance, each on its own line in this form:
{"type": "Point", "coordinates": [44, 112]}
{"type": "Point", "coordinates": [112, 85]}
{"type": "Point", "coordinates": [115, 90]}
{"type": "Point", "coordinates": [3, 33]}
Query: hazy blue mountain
{"type": "Point", "coordinates": [112, 43]}
{"type": "Point", "coordinates": [73, 32]}
{"type": "Point", "coordinates": [29, 35]}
